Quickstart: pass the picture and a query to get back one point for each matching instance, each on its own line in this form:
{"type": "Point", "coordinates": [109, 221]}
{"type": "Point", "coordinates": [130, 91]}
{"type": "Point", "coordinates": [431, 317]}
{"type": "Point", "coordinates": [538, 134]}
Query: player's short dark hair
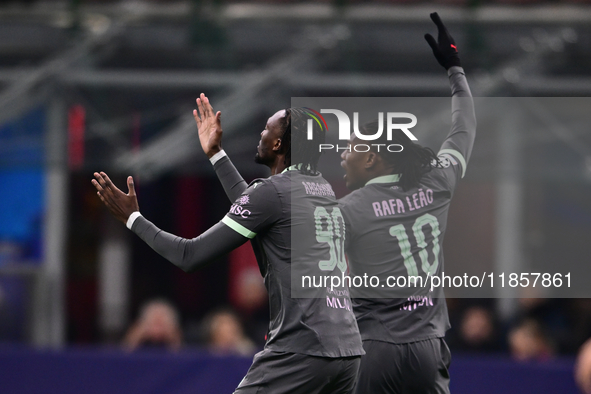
{"type": "Point", "coordinates": [411, 163]}
{"type": "Point", "coordinates": [296, 143]}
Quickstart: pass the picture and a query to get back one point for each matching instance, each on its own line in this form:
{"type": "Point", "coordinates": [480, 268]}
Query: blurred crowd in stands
{"type": "Point", "coordinates": [158, 326]}
{"type": "Point", "coordinates": [541, 330]}
{"type": "Point", "coordinates": [238, 328]}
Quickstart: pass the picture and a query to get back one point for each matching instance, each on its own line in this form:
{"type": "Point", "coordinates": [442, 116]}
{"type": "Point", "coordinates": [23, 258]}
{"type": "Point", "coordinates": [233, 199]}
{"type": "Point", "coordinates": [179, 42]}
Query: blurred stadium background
{"type": "Point", "coordinates": [109, 86]}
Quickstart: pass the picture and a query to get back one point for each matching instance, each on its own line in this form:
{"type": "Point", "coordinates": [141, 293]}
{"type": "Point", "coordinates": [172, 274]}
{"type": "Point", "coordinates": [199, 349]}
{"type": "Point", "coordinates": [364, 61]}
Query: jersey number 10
{"type": "Point", "coordinates": [399, 232]}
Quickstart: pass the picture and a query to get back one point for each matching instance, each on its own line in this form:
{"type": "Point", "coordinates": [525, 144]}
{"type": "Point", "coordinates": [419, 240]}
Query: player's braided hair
{"type": "Point", "coordinates": [411, 163]}
{"type": "Point", "coordinates": [295, 141]}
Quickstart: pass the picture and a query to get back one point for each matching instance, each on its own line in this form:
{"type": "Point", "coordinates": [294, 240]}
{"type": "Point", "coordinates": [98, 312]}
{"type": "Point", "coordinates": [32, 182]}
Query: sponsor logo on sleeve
{"type": "Point", "coordinates": [244, 200]}
{"type": "Point", "coordinates": [238, 209]}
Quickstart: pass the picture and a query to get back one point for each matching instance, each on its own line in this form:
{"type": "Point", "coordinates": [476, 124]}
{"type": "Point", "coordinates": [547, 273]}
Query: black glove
{"type": "Point", "coordinates": [445, 48]}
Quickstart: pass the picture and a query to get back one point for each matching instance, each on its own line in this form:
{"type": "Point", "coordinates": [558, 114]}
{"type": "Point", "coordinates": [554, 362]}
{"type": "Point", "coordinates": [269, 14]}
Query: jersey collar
{"type": "Point", "coordinates": [384, 179]}
{"type": "Point", "coordinates": [293, 167]}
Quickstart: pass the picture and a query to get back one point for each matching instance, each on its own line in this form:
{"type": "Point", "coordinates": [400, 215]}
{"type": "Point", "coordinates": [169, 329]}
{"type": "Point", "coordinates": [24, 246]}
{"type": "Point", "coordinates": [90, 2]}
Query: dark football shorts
{"type": "Point", "coordinates": [417, 367]}
{"type": "Point", "coordinates": [277, 373]}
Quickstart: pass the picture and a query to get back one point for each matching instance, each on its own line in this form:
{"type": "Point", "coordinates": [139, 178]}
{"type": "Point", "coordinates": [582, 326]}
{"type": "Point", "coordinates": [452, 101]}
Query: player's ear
{"type": "Point", "coordinates": [371, 159]}
{"type": "Point", "coordinates": [277, 146]}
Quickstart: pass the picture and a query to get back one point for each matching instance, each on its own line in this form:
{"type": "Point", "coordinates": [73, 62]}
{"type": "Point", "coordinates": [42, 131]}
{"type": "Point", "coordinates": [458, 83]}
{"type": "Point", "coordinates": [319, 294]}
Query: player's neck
{"type": "Point", "coordinates": [278, 165]}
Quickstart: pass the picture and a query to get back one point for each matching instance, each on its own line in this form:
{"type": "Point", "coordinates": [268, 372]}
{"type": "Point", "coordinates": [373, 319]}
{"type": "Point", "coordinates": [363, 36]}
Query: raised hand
{"type": "Point", "coordinates": [120, 204]}
{"type": "Point", "coordinates": [444, 48]}
{"type": "Point", "coordinates": [209, 126]}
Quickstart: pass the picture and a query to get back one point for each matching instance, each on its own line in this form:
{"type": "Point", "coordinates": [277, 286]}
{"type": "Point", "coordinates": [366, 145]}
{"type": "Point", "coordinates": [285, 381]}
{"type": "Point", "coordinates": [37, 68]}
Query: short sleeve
{"type": "Point", "coordinates": [257, 208]}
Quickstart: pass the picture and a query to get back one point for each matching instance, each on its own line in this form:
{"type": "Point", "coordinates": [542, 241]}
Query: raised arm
{"type": "Point", "coordinates": [209, 125]}
{"type": "Point", "coordinates": [460, 140]}
{"type": "Point", "coordinates": [187, 254]}
{"type": "Point", "coordinates": [232, 182]}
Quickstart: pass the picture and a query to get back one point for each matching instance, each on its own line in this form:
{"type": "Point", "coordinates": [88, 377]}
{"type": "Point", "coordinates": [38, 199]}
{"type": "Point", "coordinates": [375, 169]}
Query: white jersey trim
{"type": "Point", "coordinates": [132, 218]}
{"type": "Point", "coordinates": [215, 158]}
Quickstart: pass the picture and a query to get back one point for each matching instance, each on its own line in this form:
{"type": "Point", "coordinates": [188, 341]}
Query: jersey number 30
{"type": "Point", "coordinates": [399, 232]}
{"type": "Point", "coordinates": [332, 232]}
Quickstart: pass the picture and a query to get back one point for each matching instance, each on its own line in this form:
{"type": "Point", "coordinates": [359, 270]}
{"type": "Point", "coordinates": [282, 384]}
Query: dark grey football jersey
{"type": "Point", "coordinates": [274, 212]}
{"type": "Point", "coordinates": [392, 232]}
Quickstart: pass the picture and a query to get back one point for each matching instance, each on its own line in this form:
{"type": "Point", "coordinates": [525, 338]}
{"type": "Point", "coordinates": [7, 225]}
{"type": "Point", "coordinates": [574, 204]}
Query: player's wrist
{"type": "Point", "coordinates": [132, 218]}
{"type": "Point", "coordinates": [217, 156]}
{"type": "Point", "coordinates": [455, 70]}
{"type": "Point", "coordinates": [213, 151]}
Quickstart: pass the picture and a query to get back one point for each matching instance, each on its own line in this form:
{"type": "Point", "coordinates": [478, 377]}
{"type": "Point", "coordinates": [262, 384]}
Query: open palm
{"type": "Point", "coordinates": [209, 126]}
{"type": "Point", "coordinates": [120, 204]}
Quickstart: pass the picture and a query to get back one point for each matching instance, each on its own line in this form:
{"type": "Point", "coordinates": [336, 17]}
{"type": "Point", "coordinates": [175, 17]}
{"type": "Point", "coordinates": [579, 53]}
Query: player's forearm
{"type": "Point", "coordinates": [188, 254]}
{"type": "Point", "coordinates": [463, 130]}
{"type": "Point", "coordinates": [232, 182]}
{"type": "Point", "coordinates": [458, 82]}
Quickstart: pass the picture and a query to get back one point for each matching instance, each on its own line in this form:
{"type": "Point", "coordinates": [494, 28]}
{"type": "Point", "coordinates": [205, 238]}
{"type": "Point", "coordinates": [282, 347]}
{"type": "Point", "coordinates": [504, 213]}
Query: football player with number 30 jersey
{"type": "Point", "coordinates": [312, 347]}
